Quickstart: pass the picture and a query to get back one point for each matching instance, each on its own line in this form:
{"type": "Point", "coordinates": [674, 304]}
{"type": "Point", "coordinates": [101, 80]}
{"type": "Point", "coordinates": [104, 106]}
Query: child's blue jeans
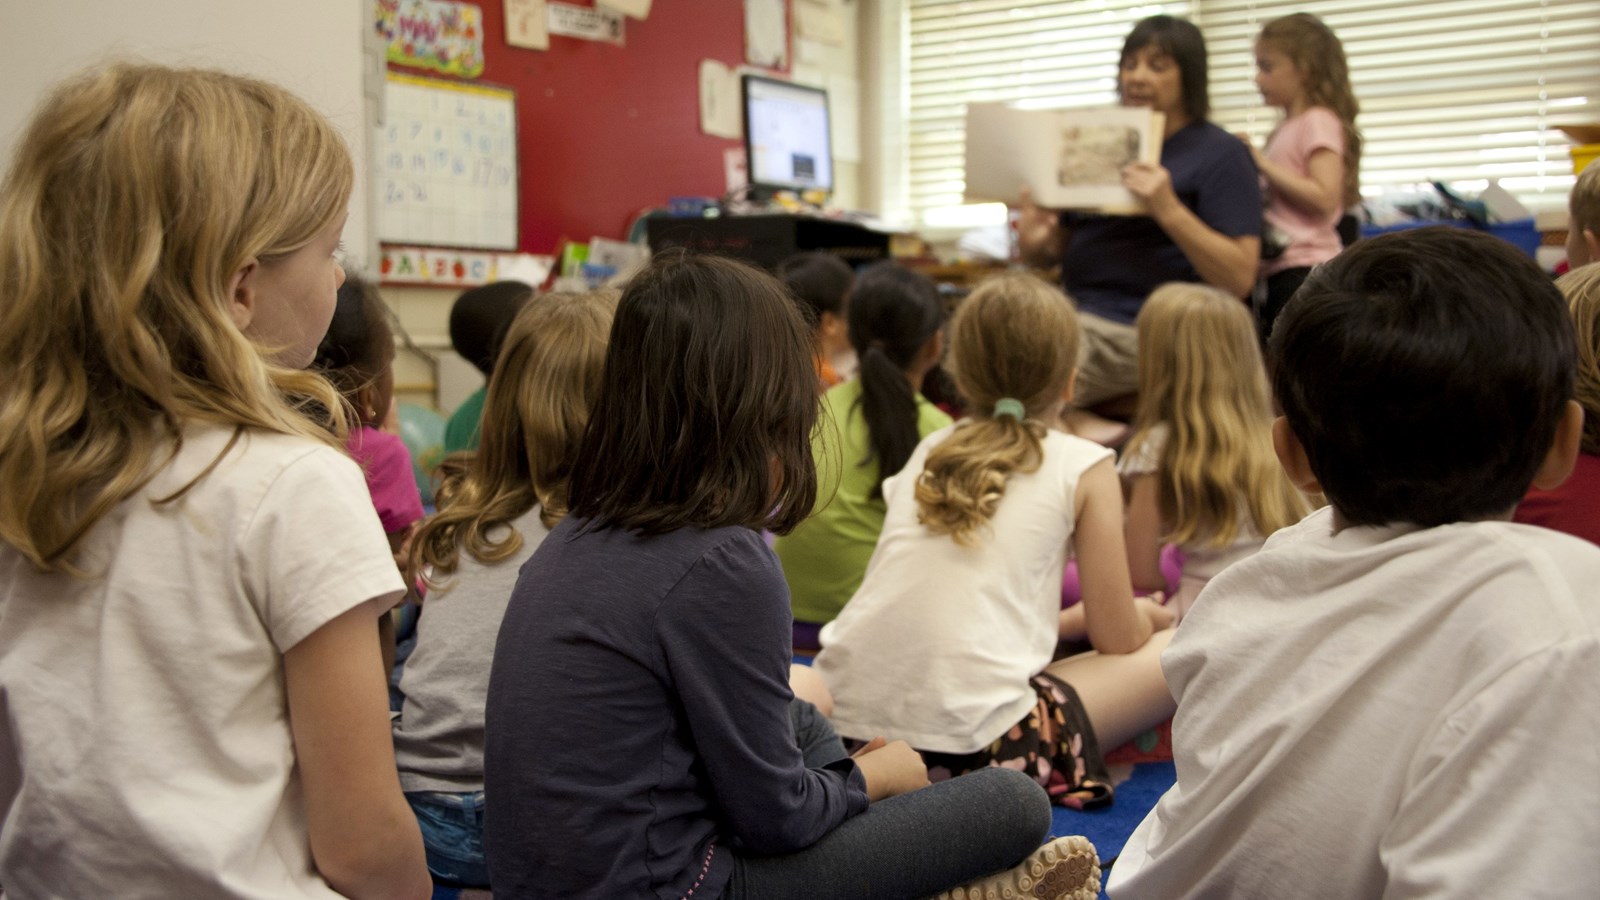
{"type": "Point", "coordinates": [452, 834]}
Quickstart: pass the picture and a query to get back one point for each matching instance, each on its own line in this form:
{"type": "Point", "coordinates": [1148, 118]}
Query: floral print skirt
{"type": "Point", "coordinates": [1054, 743]}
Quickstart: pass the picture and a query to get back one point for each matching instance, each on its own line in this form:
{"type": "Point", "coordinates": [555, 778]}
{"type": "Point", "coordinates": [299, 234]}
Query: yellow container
{"type": "Point", "coordinates": [1582, 155]}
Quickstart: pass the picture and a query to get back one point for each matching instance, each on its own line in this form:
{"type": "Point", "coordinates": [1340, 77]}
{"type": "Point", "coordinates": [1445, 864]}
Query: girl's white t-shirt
{"type": "Point", "coordinates": [937, 646]}
{"type": "Point", "coordinates": [145, 748]}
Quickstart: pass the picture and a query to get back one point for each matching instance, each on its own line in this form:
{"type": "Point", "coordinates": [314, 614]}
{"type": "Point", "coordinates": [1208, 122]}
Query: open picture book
{"type": "Point", "coordinates": [1067, 158]}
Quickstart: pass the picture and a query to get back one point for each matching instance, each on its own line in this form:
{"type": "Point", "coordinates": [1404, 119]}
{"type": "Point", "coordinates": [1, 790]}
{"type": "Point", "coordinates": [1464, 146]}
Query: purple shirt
{"type": "Point", "coordinates": [638, 719]}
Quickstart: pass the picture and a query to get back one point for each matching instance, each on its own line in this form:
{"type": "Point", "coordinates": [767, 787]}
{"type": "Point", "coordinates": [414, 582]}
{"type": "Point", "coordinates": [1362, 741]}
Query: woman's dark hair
{"type": "Point", "coordinates": [819, 281]}
{"type": "Point", "coordinates": [1181, 40]}
{"type": "Point", "coordinates": [706, 406]}
{"type": "Point", "coordinates": [1425, 372]}
{"type": "Point", "coordinates": [893, 313]}
{"type": "Point", "coordinates": [360, 341]}
{"type": "Point", "coordinates": [479, 319]}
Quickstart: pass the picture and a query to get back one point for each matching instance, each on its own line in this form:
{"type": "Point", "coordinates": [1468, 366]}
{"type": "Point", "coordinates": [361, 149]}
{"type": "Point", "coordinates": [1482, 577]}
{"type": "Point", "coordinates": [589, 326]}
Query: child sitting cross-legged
{"type": "Point", "coordinates": [1396, 697]}
{"type": "Point", "coordinates": [495, 507]}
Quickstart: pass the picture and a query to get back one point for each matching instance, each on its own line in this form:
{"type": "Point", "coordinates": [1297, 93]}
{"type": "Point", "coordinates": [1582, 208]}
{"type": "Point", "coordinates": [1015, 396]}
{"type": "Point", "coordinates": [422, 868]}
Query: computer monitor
{"type": "Point", "coordinates": [786, 138]}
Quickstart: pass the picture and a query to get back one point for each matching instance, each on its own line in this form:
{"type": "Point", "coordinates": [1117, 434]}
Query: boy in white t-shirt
{"type": "Point", "coordinates": [1399, 696]}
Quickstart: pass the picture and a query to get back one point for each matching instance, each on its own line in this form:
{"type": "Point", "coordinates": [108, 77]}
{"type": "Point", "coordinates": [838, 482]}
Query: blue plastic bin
{"type": "Point", "coordinates": [1521, 233]}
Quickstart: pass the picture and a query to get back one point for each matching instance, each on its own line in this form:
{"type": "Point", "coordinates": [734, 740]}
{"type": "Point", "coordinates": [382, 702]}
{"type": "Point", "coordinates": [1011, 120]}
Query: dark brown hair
{"type": "Point", "coordinates": [706, 406]}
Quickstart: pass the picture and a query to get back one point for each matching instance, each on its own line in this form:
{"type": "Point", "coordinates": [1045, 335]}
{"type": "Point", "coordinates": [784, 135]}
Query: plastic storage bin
{"type": "Point", "coordinates": [1522, 232]}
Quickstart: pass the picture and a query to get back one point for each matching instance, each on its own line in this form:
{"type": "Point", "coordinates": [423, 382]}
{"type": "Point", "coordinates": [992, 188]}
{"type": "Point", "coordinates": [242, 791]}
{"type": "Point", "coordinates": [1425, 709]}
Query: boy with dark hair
{"type": "Point", "coordinates": [821, 282]}
{"type": "Point", "coordinates": [1397, 697]}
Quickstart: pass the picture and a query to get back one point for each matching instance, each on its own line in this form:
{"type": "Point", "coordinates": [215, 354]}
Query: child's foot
{"type": "Point", "coordinates": [1064, 869]}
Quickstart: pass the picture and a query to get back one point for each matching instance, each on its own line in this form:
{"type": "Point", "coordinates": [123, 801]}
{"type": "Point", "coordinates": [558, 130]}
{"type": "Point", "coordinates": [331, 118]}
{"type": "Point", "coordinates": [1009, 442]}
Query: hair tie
{"type": "Point", "coordinates": [1010, 406]}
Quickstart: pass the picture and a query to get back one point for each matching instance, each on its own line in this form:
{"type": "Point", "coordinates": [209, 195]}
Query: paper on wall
{"type": "Point", "coordinates": [638, 9]}
{"type": "Point", "coordinates": [526, 24]}
{"type": "Point", "coordinates": [586, 22]}
{"type": "Point", "coordinates": [719, 100]}
{"type": "Point", "coordinates": [820, 20]}
{"type": "Point", "coordinates": [766, 33]}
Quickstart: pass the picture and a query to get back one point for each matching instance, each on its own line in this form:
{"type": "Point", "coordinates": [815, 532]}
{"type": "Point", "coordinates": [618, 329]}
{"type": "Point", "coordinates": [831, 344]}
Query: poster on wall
{"type": "Point", "coordinates": [526, 24]}
{"type": "Point", "coordinates": [439, 35]}
{"type": "Point", "coordinates": [586, 22]}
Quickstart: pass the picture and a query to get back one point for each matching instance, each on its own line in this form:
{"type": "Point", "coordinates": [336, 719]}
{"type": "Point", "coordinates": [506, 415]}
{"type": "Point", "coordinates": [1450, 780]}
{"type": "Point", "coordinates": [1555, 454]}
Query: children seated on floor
{"type": "Point", "coordinates": [868, 428]}
{"type": "Point", "coordinates": [821, 283]}
{"type": "Point", "coordinates": [640, 740]}
{"type": "Point", "coordinates": [1199, 471]}
{"type": "Point", "coordinates": [191, 571]}
{"type": "Point", "coordinates": [357, 357]}
{"type": "Point", "coordinates": [1396, 697]}
{"type": "Point", "coordinates": [948, 642]}
{"type": "Point", "coordinates": [495, 507]}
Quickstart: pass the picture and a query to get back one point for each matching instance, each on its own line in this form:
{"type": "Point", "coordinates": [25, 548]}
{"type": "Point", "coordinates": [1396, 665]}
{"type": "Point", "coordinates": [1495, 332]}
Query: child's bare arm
{"type": "Point", "coordinates": [1319, 191]}
{"type": "Point", "coordinates": [1111, 619]}
{"type": "Point", "coordinates": [1143, 534]}
{"type": "Point", "coordinates": [364, 837]}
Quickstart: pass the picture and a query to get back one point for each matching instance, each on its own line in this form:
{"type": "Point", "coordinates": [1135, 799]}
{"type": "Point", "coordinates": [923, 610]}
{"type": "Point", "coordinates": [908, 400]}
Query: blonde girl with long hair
{"type": "Point", "coordinates": [948, 643]}
{"type": "Point", "coordinates": [495, 507]}
{"type": "Point", "coordinates": [191, 571]}
{"type": "Point", "coordinates": [1311, 166]}
{"type": "Point", "coordinates": [1199, 471]}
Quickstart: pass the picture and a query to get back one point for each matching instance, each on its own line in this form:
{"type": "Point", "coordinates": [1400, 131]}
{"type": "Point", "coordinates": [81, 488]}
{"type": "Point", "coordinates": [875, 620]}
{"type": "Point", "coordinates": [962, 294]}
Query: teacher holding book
{"type": "Point", "coordinates": [1202, 219]}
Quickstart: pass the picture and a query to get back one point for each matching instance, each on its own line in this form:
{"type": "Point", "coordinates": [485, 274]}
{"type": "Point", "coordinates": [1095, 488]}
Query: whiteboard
{"type": "Point", "coordinates": [447, 164]}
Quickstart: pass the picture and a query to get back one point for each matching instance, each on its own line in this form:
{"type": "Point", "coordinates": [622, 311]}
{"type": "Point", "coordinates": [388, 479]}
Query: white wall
{"type": "Point", "coordinates": [312, 47]}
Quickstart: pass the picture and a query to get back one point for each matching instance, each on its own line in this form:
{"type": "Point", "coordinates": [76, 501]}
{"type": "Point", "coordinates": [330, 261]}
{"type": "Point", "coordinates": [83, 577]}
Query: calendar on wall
{"type": "Point", "coordinates": [447, 164]}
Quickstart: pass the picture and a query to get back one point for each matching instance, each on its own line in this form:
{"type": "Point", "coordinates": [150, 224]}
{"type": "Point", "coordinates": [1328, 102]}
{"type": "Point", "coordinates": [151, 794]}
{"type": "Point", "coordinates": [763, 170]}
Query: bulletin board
{"type": "Point", "coordinates": [447, 164]}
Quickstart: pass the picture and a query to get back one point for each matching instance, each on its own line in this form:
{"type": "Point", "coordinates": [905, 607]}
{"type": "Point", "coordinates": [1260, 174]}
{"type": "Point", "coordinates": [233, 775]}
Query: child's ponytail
{"type": "Point", "coordinates": [893, 313]}
{"type": "Point", "coordinates": [1013, 349]}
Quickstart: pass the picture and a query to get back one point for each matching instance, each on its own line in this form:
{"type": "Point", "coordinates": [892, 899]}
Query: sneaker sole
{"type": "Point", "coordinates": [1067, 868]}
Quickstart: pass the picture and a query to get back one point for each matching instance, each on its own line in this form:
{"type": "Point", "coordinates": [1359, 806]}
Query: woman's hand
{"type": "Point", "coordinates": [890, 769]}
{"type": "Point", "coordinates": [1038, 232]}
{"type": "Point", "coordinates": [1152, 184]}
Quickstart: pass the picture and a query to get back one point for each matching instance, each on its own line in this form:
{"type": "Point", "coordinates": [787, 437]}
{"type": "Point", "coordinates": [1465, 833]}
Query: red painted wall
{"type": "Point", "coordinates": [605, 131]}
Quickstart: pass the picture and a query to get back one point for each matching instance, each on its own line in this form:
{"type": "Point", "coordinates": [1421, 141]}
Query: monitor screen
{"type": "Point", "coordinates": [786, 135]}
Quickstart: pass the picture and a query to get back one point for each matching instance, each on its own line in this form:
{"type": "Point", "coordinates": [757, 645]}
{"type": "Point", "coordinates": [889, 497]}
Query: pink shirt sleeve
{"type": "Point", "coordinates": [387, 465]}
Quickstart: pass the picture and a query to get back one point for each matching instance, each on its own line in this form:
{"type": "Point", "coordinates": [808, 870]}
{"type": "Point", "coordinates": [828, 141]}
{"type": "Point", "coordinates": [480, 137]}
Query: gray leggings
{"type": "Point", "coordinates": [910, 846]}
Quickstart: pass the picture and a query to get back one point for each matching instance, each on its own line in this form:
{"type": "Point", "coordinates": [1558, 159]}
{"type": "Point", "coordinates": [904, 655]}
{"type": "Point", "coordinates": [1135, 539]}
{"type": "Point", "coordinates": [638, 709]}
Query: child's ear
{"type": "Point", "coordinates": [1563, 453]}
{"type": "Point", "coordinates": [1592, 241]}
{"type": "Point", "coordinates": [1292, 456]}
{"type": "Point", "coordinates": [830, 325]}
{"type": "Point", "coordinates": [1071, 388]}
{"type": "Point", "coordinates": [242, 294]}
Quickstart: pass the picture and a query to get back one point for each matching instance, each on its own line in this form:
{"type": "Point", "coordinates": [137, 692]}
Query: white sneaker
{"type": "Point", "coordinates": [1067, 868]}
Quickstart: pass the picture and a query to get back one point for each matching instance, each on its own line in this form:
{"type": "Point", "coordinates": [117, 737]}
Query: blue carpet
{"type": "Point", "coordinates": [1111, 827]}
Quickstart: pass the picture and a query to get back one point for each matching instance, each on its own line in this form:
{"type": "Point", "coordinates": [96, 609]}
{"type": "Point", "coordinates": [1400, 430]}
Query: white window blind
{"type": "Point", "coordinates": [1460, 91]}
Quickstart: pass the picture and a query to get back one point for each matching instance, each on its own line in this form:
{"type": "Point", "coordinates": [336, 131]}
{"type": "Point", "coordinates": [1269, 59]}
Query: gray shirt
{"type": "Point", "coordinates": [438, 739]}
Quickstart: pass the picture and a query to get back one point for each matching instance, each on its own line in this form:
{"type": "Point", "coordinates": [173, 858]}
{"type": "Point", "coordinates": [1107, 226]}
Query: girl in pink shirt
{"type": "Point", "coordinates": [357, 356]}
{"type": "Point", "coordinates": [1310, 167]}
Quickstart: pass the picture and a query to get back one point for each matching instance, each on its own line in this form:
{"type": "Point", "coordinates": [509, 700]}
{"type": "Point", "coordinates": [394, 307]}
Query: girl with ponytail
{"type": "Point", "coordinates": [870, 426]}
{"type": "Point", "coordinates": [948, 643]}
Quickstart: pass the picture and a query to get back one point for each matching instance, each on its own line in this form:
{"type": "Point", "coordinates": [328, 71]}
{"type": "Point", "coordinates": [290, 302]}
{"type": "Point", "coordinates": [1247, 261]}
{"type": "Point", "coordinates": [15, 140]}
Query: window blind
{"type": "Point", "coordinates": [1461, 91]}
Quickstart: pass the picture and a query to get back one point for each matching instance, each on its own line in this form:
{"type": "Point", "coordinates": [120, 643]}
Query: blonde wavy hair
{"type": "Point", "coordinates": [135, 195]}
{"type": "Point", "coordinates": [1581, 287]}
{"type": "Point", "coordinates": [544, 384]}
{"type": "Point", "coordinates": [1319, 56]}
{"type": "Point", "coordinates": [1201, 375]}
{"type": "Point", "coordinates": [1014, 336]}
